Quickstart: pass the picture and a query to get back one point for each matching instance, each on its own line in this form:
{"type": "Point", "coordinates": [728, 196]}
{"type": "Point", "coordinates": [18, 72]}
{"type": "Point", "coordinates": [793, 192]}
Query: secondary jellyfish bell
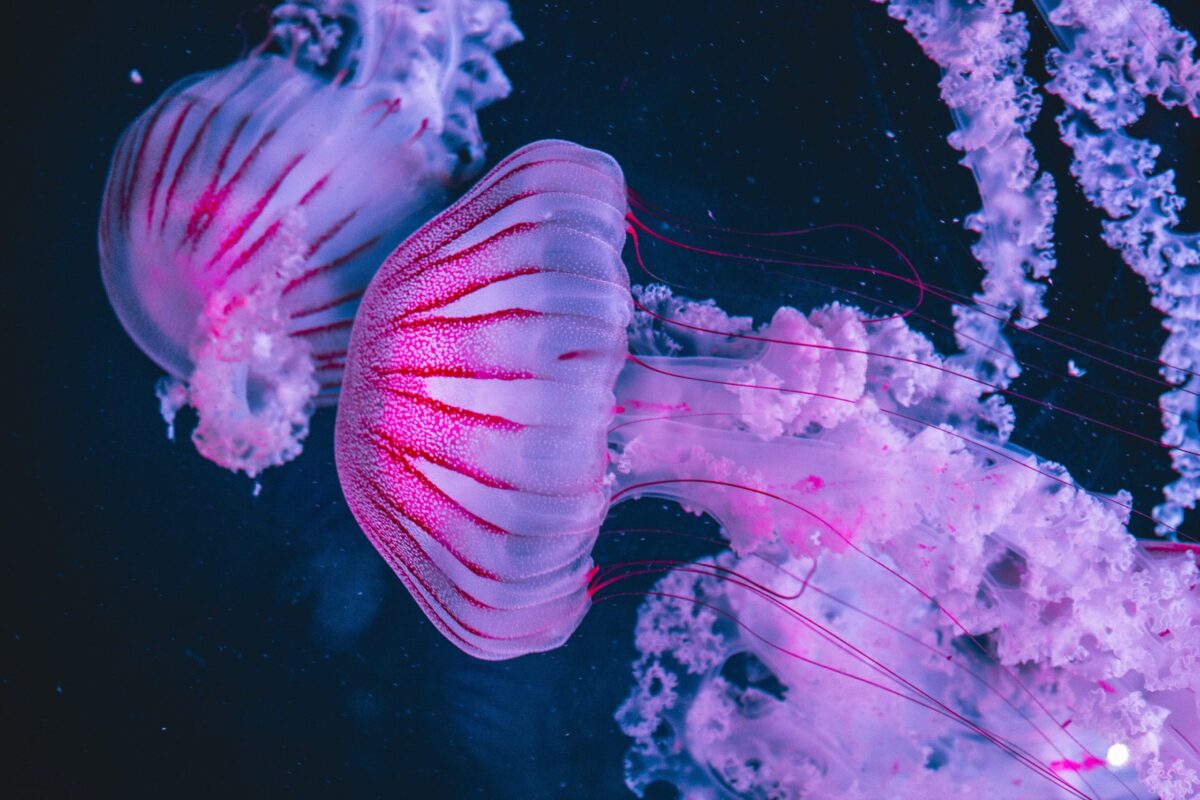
{"type": "Point", "coordinates": [247, 209]}
{"type": "Point", "coordinates": [501, 392]}
{"type": "Point", "coordinates": [477, 395]}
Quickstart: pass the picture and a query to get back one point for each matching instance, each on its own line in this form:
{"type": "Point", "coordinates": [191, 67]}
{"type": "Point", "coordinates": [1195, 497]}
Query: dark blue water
{"type": "Point", "coordinates": [165, 633]}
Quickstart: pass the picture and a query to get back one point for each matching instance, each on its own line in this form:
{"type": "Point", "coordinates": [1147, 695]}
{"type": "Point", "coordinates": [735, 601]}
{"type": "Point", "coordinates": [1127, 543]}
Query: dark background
{"type": "Point", "coordinates": [163, 632]}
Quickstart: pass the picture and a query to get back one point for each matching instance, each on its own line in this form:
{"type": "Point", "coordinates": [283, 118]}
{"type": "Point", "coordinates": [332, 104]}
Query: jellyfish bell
{"type": "Point", "coordinates": [246, 210]}
{"type": "Point", "coordinates": [471, 431]}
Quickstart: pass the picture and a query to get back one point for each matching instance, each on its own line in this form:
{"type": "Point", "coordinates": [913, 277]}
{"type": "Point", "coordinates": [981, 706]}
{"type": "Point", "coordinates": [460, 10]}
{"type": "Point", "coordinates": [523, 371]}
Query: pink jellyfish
{"type": "Point", "coordinates": [504, 387]}
{"type": "Point", "coordinates": [246, 210]}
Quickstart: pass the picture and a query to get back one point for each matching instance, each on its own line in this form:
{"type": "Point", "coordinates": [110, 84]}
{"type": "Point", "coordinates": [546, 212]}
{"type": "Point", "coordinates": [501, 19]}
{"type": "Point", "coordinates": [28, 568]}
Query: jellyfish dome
{"type": "Point", "coordinates": [504, 387]}
{"type": "Point", "coordinates": [477, 396]}
{"type": "Point", "coordinates": [246, 210]}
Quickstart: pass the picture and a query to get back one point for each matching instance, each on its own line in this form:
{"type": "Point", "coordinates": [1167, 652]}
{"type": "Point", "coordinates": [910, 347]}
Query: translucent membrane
{"type": "Point", "coordinates": [472, 427]}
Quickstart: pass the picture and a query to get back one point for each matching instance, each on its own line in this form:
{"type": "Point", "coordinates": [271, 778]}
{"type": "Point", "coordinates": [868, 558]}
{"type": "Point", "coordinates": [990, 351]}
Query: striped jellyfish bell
{"type": "Point", "coordinates": [472, 428]}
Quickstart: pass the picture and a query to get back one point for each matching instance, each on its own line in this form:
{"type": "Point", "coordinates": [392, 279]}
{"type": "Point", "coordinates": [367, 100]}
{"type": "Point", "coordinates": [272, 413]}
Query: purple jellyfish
{"type": "Point", "coordinates": [246, 210]}
{"type": "Point", "coordinates": [503, 387]}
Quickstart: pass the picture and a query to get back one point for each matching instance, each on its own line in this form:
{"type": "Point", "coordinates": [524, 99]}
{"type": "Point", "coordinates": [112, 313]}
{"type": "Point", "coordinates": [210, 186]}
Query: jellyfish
{"type": "Point", "coordinates": [505, 386]}
{"type": "Point", "coordinates": [247, 208]}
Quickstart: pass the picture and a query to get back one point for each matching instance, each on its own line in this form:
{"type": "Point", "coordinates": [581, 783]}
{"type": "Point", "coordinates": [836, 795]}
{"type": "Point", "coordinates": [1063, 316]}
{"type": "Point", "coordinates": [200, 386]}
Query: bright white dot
{"type": "Point", "coordinates": [135, 77]}
{"type": "Point", "coordinates": [1117, 755]}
